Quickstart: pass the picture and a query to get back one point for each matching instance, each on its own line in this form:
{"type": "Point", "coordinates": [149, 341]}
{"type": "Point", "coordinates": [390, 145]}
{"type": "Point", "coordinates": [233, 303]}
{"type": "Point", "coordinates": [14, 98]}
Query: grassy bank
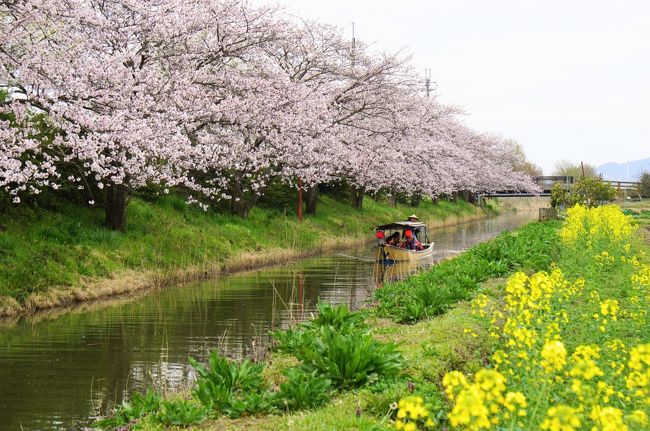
{"type": "Point", "coordinates": [55, 257]}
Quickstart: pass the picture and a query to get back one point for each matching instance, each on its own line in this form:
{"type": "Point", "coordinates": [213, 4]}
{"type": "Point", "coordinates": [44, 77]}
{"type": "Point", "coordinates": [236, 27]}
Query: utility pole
{"type": "Point", "coordinates": [299, 200]}
{"type": "Point", "coordinates": [354, 45]}
{"type": "Point", "coordinates": [427, 81]}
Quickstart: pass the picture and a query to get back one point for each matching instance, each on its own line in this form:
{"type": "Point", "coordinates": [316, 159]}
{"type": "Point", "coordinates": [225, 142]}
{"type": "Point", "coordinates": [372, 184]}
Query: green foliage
{"type": "Point", "coordinates": [181, 413]}
{"type": "Point", "coordinates": [336, 317]}
{"type": "Point", "coordinates": [337, 345]}
{"type": "Point", "coordinates": [587, 191]}
{"type": "Point", "coordinates": [302, 390]}
{"type": "Point", "coordinates": [431, 293]}
{"type": "Point", "coordinates": [592, 192]}
{"type": "Point", "coordinates": [139, 406]}
{"type": "Point", "coordinates": [231, 387]}
{"type": "Point", "coordinates": [348, 359]}
{"type": "Point", "coordinates": [559, 196]}
{"type": "Point", "coordinates": [644, 185]}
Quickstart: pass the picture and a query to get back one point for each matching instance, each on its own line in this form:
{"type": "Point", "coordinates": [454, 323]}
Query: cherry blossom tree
{"type": "Point", "coordinates": [99, 70]}
{"type": "Point", "coordinates": [220, 98]}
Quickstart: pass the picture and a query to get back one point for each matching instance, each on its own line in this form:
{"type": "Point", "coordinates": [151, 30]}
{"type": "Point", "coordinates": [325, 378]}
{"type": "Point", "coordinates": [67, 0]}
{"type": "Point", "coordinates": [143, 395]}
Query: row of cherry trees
{"type": "Point", "coordinates": [219, 98]}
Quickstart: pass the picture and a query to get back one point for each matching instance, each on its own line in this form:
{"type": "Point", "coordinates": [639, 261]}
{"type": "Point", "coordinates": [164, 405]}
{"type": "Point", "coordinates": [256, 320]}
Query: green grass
{"type": "Point", "coordinates": [42, 249]}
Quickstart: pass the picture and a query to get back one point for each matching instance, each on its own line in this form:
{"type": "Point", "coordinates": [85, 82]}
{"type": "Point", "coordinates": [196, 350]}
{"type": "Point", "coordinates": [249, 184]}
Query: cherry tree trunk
{"type": "Point", "coordinates": [240, 204]}
{"type": "Point", "coordinates": [311, 199]}
{"type": "Point", "coordinates": [357, 197]}
{"type": "Point", "coordinates": [415, 200]}
{"type": "Point", "coordinates": [392, 200]}
{"type": "Point", "coordinates": [116, 207]}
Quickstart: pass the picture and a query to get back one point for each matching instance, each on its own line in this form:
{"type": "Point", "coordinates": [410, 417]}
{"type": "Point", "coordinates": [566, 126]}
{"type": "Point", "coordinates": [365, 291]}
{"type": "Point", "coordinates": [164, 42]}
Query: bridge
{"type": "Point", "coordinates": [546, 183]}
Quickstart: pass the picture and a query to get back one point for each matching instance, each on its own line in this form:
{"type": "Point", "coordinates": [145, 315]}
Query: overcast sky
{"type": "Point", "coordinates": [567, 79]}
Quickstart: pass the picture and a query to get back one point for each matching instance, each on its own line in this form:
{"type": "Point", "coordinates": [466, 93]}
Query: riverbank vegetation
{"type": "Point", "coordinates": [66, 248]}
{"type": "Point", "coordinates": [561, 344]}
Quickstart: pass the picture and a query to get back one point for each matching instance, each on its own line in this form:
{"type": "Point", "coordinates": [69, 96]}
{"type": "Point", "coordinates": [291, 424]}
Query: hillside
{"type": "Point", "coordinates": [624, 171]}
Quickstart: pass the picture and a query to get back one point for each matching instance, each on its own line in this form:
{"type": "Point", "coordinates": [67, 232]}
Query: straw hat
{"type": "Point", "coordinates": [413, 216]}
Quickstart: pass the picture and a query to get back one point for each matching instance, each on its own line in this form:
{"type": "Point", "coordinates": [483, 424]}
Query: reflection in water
{"type": "Point", "coordinates": [56, 373]}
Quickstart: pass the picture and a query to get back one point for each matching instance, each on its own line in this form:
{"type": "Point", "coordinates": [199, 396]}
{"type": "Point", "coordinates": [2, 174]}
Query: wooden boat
{"type": "Point", "coordinates": [390, 254]}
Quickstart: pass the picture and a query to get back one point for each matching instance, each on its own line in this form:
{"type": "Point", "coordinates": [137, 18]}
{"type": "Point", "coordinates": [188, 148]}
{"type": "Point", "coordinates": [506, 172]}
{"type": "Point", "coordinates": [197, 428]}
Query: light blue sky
{"type": "Point", "coordinates": [567, 79]}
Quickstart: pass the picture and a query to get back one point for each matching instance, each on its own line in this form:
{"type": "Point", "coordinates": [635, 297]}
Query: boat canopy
{"type": "Point", "coordinates": [401, 225]}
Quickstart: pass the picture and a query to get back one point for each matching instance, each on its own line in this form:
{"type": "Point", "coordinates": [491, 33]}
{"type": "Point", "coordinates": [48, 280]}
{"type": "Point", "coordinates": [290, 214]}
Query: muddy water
{"type": "Point", "coordinates": [56, 373]}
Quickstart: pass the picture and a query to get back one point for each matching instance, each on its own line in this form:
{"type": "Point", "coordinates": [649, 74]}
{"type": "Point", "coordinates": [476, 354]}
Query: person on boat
{"type": "Point", "coordinates": [411, 243]}
{"type": "Point", "coordinates": [393, 239]}
{"type": "Point", "coordinates": [416, 231]}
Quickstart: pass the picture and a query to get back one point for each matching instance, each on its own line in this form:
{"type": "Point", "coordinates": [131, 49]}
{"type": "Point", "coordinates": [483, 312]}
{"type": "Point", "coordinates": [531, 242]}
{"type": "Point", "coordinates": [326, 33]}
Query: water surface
{"type": "Point", "coordinates": [57, 372]}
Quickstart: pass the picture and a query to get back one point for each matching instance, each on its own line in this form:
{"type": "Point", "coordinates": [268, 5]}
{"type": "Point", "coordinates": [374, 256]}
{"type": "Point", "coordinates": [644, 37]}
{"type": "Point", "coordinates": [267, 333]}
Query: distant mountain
{"type": "Point", "coordinates": [624, 171]}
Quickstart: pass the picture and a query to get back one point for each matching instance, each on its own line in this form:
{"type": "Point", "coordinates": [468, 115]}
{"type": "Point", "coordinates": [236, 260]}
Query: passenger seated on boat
{"type": "Point", "coordinates": [411, 243]}
{"type": "Point", "coordinates": [393, 239]}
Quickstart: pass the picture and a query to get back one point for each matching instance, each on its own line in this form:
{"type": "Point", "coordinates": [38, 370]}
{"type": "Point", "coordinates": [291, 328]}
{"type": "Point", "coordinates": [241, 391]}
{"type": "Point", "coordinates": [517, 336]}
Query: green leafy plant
{"type": "Point", "coordinates": [230, 387]}
{"type": "Point", "coordinates": [302, 390]}
{"type": "Point", "coordinates": [349, 359]}
{"type": "Point", "coordinates": [181, 413]}
{"type": "Point", "coordinates": [138, 407]}
{"type": "Point", "coordinates": [335, 316]}
{"type": "Point", "coordinates": [586, 191]}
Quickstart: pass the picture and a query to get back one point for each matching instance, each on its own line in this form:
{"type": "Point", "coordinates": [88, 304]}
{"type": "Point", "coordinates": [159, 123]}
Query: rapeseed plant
{"type": "Point", "coordinates": [570, 354]}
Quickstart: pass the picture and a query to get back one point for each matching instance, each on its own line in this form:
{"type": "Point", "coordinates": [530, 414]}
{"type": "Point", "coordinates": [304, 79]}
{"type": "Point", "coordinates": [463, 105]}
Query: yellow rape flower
{"type": "Point", "coordinates": [454, 382]}
{"type": "Point", "coordinates": [553, 356]}
{"type": "Point", "coordinates": [561, 418]}
{"type": "Point", "coordinates": [610, 308]}
{"type": "Point", "coordinates": [608, 419]}
{"type": "Point", "coordinates": [469, 411]}
{"type": "Point", "coordinates": [515, 401]}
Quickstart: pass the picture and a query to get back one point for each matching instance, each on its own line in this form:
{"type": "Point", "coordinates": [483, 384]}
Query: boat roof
{"type": "Point", "coordinates": [401, 225]}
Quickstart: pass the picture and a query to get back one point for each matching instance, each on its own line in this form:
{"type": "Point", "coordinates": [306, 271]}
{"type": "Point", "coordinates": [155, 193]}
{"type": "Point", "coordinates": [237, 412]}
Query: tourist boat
{"type": "Point", "coordinates": [390, 254]}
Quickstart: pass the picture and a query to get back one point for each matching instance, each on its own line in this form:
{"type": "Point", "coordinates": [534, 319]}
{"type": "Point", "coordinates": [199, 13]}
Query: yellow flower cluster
{"type": "Point", "coordinates": [540, 377]}
{"type": "Point", "coordinates": [561, 418]}
{"type": "Point", "coordinates": [583, 226]}
{"type": "Point", "coordinates": [483, 403]}
{"type": "Point", "coordinates": [553, 356]}
{"type": "Point", "coordinates": [412, 415]}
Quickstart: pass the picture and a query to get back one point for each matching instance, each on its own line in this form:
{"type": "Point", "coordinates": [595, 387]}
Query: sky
{"type": "Point", "coordinates": [566, 79]}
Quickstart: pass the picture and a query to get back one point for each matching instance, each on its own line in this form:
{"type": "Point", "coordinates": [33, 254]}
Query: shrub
{"type": "Point", "coordinates": [644, 185]}
{"type": "Point", "coordinates": [302, 390]}
{"type": "Point", "coordinates": [586, 191]}
{"type": "Point", "coordinates": [336, 317]}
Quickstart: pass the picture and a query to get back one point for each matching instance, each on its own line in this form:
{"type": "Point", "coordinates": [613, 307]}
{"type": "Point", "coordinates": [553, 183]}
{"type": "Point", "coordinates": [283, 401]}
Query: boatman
{"type": "Point", "coordinates": [416, 231]}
